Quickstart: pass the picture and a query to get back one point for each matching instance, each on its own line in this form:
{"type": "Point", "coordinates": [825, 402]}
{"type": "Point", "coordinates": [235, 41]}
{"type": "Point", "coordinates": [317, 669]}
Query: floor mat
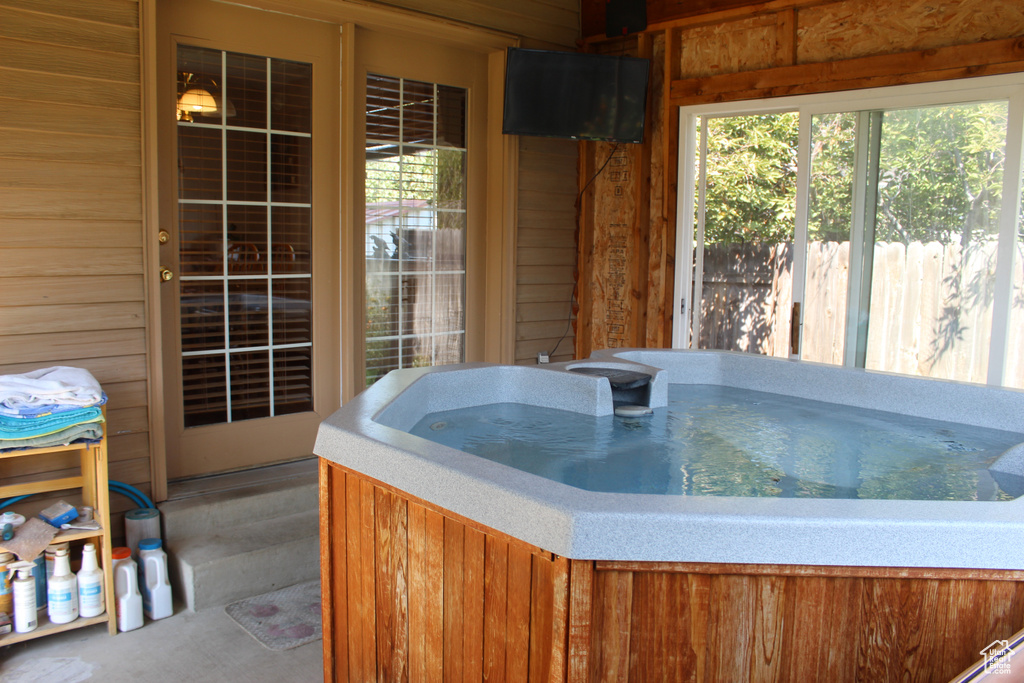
{"type": "Point", "coordinates": [283, 619]}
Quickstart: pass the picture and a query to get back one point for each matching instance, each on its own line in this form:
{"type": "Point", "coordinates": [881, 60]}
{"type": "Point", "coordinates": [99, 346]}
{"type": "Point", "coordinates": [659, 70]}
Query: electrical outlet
{"type": "Point", "coordinates": [542, 358]}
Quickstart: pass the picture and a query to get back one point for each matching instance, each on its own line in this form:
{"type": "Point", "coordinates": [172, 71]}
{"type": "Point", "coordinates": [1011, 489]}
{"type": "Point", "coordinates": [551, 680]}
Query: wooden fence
{"type": "Point", "coordinates": [930, 313]}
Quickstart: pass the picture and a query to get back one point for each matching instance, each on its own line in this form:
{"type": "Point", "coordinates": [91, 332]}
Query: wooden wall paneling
{"type": "Point", "coordinates": [767, 640]}
{"type": "Point", "coordinates": [391, 546]}
{"type": "Point", "coordinates": [559, 597]}
{"type": "Point", "coordinates": [359, 618]}
{"type": "Point", "coordinates": [417, 532]}
{"type": "Point", "coordinates": [454, 599]}
{"type": "Point", "coordinates": [826, 607]}
{"type": "Point", "coordinates": [842, 30]}
{"type": "Point", "coordinates": [580, 635]}
{"type": "Point", "coordinates": [613, 607]}
{"type": "Point", "coordinates": [517, 663]}
{"type": "Point", "coordinates": [333, 571]}
{"type": "Point", "coordinates": [730, 627]}
{"type": "Point", "coordinates": [435, 605]}
{"type": "Point", "coordinates": [541, 621]}
{"type": "Point", "coordinates": [473, 615]}
{"type": "Point", "coordinates": [736, 46]}
{"type": "Point", "coordinates": [661, 214]}
{"type": "Point", "coordinates": [496, 608]}
{"type": "Point", "coordinates": [660, 647]}
{"type": "Point", "coordinates": [582, 323]}
{"type": "Point", "coordinates": [979, 59]}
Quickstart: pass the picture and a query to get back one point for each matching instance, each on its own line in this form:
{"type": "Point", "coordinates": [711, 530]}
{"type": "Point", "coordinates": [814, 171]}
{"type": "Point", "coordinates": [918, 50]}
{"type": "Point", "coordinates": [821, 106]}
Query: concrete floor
{"type": "Point", "coordinates": [203, 646]}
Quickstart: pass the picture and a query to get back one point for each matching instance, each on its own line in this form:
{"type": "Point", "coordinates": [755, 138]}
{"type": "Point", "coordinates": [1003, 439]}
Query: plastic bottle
{"type": "Point", "coordinates": [126, 588]}
{"type": "Point", "coordinates": [40, 573]}
{"type": "Point", "coordinates": [25, 613]}
{"type": "Point", "coordinates": [51, 556]}
{"type": "Point", "coordinates": [90, 584]}
{"type": "Point", "coordinates": [62, 591]}
{"type": "Point", "coordinates": [6, 576]}
{"type": "Point", "coordinates": [156, 589]}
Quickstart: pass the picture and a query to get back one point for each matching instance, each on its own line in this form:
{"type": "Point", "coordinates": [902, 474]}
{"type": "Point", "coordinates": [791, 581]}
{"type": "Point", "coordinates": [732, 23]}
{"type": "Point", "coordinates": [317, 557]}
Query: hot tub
{"type": "Point", "coordinates": [593, 537]}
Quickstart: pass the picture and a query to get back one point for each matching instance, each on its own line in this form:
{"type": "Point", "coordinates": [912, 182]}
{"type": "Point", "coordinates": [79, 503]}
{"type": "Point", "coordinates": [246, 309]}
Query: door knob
{"type": "Point", "coordinates": [165, 274]}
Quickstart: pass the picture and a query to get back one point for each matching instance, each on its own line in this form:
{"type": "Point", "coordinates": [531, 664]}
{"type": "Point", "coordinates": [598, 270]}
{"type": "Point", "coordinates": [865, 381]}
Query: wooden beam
{"type": "Point", "coordinates": [921, 66]}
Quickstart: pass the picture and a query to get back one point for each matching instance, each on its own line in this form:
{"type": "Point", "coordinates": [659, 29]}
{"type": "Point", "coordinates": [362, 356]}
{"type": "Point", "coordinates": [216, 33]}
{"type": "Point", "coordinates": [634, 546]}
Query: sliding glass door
{"type": "Point", "coordinates": [895, 230]}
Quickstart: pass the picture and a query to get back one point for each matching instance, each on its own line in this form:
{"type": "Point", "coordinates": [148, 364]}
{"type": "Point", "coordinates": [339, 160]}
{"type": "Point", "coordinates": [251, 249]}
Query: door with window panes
{"type": "Point", "coordinates": [248, 171]}
{"type": "Point", "coordinates": [423, 177]}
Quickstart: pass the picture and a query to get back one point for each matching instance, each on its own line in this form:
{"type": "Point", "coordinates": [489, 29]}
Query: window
{"type": "Point", "coordinates": [885, 224]}
{"type": "Point", "coordinates": [245, 236]}
{"type": "Point", "coordinates": [415, 224]}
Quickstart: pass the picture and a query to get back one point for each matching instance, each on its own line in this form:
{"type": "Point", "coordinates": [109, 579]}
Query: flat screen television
{"type": "Point", "coordinates": [575, 95]}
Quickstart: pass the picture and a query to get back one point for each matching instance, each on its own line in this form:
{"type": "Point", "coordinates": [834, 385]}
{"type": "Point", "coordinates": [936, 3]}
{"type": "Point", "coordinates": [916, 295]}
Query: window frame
{"type": "Point", "coordinates": [1009, 88]}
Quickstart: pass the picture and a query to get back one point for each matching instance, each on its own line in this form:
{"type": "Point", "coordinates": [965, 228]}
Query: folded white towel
{"type": "Point", "coordinates": [50, 386]}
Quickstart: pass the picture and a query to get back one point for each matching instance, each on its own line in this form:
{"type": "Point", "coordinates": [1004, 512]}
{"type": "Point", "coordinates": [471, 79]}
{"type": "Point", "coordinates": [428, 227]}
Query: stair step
{"type": "Point", "coordinates": [206, 514]}
{"type": "Point", "coordinates": [216, 568]}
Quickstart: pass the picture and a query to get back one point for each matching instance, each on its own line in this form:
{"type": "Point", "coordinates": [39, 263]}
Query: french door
{"type": "Point", "coordinates": [249, 221]}
{"type": "Point", "coordinates": [421, 201]}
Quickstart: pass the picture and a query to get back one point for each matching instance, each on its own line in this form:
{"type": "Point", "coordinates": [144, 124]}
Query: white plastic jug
{"type": "Point", "coordinates": [156, 589]}
{"type": "Point", "coordinates": [126, 588]}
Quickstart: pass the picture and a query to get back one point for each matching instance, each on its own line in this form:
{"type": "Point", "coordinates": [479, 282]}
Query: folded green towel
{"type": "Point", "coordinates": [27, 428]}
{"type": "Point", "coordinates": [92, 430]}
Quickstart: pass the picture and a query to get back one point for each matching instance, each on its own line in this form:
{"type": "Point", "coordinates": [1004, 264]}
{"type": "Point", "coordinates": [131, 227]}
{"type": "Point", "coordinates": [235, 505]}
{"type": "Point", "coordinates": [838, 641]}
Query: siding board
{"type": "Point", "coordinates": [43, 319]}
{"type": "Point", "coordinates": [43, 348]}
{"type": "Point", "coordinates": [52, 118]}
{"type": "Point", "coordinates": [27, 291]}
{"type": "Point", "coordinates": [85, 234]}
{"type": "Point", "coordinates": [62, 261]}
{"type": "Point", "coordinates": [62, 89]}
{"type": "Point", "coordinates": [68, 61]}
{"type": "Point", "coordinates": [69, 146]}
{"type": "Point", "coordinates": [53, 29]}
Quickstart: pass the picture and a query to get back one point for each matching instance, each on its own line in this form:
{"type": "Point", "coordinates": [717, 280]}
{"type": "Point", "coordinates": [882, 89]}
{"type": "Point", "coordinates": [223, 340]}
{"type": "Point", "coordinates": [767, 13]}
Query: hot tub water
{"type": "Point", "coordinates": [721, 441]}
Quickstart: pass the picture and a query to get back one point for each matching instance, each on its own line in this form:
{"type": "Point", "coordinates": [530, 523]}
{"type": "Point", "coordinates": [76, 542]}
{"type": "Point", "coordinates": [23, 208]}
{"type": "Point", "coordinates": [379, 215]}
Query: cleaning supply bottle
{"type": "Point", "coordinates": [51, 556]}
{"type": "Point", "coordinates": [90, 584]}
{"type": "Point", "coordinates": [40, 573]}
{"type": "Point", "coordinates": [156, 589]}
{"type": "Point", "coordinates": [6, 583]}
{"type": "Point", "coordinates": [62, 591]}
{"type": "Point", "coordinates": [126, 590]}
{"type": "Point", "coordinates": [25, 617]}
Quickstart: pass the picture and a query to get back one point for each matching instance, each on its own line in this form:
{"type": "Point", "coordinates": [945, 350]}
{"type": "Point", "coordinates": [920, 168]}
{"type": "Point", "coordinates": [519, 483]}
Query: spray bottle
{"type": "Point", "coordinates": [90, 584]}
{"type": "Point", "coordinates": [25, 619]}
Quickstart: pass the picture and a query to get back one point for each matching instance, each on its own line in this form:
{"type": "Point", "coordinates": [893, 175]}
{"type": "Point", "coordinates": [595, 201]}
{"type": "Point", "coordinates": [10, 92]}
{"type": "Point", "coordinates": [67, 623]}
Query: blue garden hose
{"type": "Point", "coordinates": [127, 490]}
{"type": "Point", "coordinates": [130, 491]}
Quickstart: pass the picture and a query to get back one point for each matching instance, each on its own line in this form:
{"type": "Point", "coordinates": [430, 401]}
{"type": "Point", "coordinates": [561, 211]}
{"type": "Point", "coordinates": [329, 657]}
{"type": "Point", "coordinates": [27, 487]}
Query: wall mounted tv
{"type": "Point", "coordinates": [575, 95]}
